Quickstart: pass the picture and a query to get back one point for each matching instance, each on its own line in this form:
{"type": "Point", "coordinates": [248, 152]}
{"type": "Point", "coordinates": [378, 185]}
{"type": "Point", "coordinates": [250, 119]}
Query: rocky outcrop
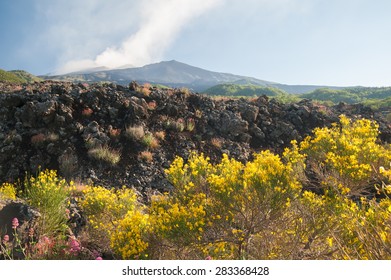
{"type": "Point", "coordinates": [25, 214]}
{"type": "Point", "coordinates": [56, 125]}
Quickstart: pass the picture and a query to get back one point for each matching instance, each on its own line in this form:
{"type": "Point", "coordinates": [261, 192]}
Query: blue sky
{"type": "Point", "coordinates": [323, 42]}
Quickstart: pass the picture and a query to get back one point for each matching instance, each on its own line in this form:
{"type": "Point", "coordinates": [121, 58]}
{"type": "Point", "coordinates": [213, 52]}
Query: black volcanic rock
{"type": "Point", "coordinates": [56, 124]}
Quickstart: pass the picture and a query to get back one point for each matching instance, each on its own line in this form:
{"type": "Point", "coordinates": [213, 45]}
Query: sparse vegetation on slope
{"type": "Point", "coordinates": [10, 77]}
{"type": "Point", "coordinates": [18, 77]}
{"type": "Point", "coordinates": [26, 76]}
{"type": "Point", "coordinates": [243, 90]}
{"type": "Point", "coordinates": [350, 95]}
{"type": "Point", "coordinates": [234, 90]}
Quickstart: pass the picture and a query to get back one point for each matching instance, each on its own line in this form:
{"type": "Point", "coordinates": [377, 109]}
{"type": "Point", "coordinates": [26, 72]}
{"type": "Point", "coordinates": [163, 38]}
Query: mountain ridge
{"type": "Point", "coordinates": [176, 74]}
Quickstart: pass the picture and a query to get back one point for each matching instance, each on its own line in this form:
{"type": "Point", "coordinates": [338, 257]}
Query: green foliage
{"type": "Point", "coordinates": [26, 76]}
{"type": "Point", "coordinates": [18, 77]}
{"type": "Point", "coordinates": [334, 95]}
{"type": "Point", "coordinates": [236, 91]}
{"type": "Point", "coordinates": [379, 104]}
{"type": "Point", "coordinates": [365, 95]}
{"type": "Point", "coordinates": [150, 141]}
{"type": "Point", "coordinates": [243, 90]}
{"type": "Point", "coordinates": [10, 77]}
{"type": "Point", "coordinates": [372, 96]}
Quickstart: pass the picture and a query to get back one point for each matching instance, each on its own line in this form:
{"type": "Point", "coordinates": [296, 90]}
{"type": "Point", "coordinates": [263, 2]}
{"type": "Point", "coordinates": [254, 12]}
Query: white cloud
{"type": "Point", "coordinates": [116, 33]}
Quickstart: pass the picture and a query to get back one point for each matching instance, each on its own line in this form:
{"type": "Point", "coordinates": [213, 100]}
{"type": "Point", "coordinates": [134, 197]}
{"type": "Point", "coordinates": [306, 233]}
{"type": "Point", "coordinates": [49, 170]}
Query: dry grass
{"type": "Point", "coordinates": [150, 141]}
{"type": "Point", "coordinates": [152, 105]}
{"type": "Point", "coordinates": [146, 89]}
{"type": "Point", "coordinates": [114, 132]}
{"type": "Point", "coordinates": [180, 125]}
{"type": "Point", "coordinates": [135, 132]}
{"type": "Point", "coordinates": [198, 114]}
{"type": "Point", "coordinates": [146, 156]}
{"type": "Point", "coordinates": [68, 164]}
{"type": "Point", "coordinates": [216, 142]}
{"type": "Point", "coordinates": [190, 124]}
{"type": "Point", "coordinates": [38, 138]}
{"type": "Point", "coordinates": [161, 135]}
{"type": "Point", "coordinates": [86, 112]}
{"type": "Point", "coordinates": [52, 137]}
{"type": "Point", "coordinates": [106, 154]}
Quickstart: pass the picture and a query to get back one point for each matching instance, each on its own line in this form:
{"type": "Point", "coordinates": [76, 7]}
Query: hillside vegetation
{"type": "Point", "coordinates": [18, 77]}
{"type": "Point", "coordinates": [243, 90]}
{"type": "Point", "coordinates": [26, 76]}
{"type": "Point", "coordinates": [10, 77]}
{"type": "Point", "coordinates": [234, 90]}
{"type": "Point", "coordinates": [377, 98]}
{"type": "Point", "coordinates": [349, 95]}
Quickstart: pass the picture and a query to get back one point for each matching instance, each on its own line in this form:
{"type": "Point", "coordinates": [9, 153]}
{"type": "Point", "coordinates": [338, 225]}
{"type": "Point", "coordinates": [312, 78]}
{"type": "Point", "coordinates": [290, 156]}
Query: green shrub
{"type": "Point", "coordinates": [150, 141]}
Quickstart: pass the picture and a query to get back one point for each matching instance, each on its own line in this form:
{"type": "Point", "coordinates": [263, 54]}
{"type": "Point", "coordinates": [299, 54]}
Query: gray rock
{"type": "Point", "coordinates": [248, 112]}
{"type": "Point", "coordinates": [10, 209]}
{"type": "Point", "coordinates": [257, 132]}
{"type": "Point", "coordinates": [232, 124]}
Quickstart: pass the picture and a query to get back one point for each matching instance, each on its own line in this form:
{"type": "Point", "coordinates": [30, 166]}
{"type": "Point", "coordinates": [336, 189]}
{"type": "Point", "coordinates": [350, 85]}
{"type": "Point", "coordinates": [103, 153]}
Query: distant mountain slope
{"type": "Point", "coordinates": [170, 73]}
{"type": "Point", "coordinates": [247, 90]}
{"type": "Point", "coordinates": [349, 95]}
{"type": "Point", "coordinates": [175, 74]}
{"type": "Point", "coordinates": [18, 77]}
{"type": "Point", "coordinates": [26, 76]}
{"type": "Point", "coordinates": [9, 77]}
{"type": "Point", "coordinates": [243, 90]}
{"type": "Point", "coordinates": [301, 89]}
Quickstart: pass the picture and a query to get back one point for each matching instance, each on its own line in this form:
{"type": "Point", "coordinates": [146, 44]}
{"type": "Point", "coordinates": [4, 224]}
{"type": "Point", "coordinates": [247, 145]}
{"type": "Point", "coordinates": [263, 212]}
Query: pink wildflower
{"type": "Point", "coordinates": [44, 245]}
{"type": "Point", "coordinates": [46, 239]}
{"type": "Point", "coordinates": [74, 246]}
{"type": "Point", "coordinates": [99, 258]}
{"type": "Point", "coordinates": [15, 223]}
{"type": "Point", "coordinates": [95, 254]}
{"type": "Point", "coordinates": [208, 258]}
{"type": "Point", "coordinates": [6, 238]}
{"type": "Point", "coordinates": [67, 213]}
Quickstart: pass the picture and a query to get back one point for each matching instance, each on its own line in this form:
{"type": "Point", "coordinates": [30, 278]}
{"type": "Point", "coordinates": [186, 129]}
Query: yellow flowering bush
{"type": "Point", "coordinates": [259, 209]}
{"type": "Point", "coordinates": [7, 191]}
{"type": "Point", "coordinates": [50, 195]}
{"type": "Point", "coordinates": [346, 155]}
{"type": "Point", "coordinates": [130, 238]}
{"type": "Point", "coordinates": [249, 199]}
{"type": "Point", "coordinates": [222, 206]}
{"type": "Point", "coordinates": [104, 208]}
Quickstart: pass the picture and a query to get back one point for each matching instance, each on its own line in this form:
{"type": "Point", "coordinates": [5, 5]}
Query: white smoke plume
{"type": "Point", "coordinates": [160, 23]}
